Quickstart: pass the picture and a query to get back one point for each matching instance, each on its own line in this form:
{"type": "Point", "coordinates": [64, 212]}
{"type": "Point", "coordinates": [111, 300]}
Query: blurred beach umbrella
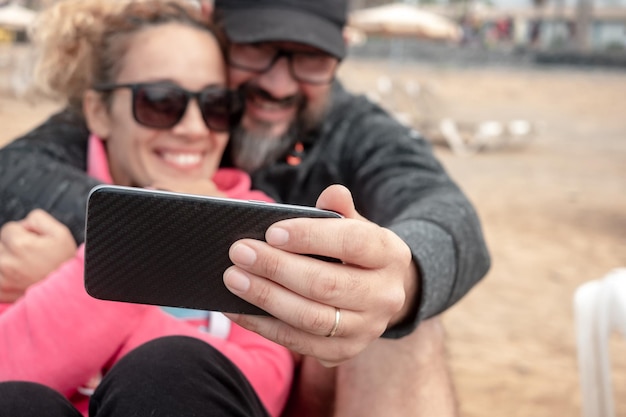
{"type": "Point", "coordinates": [401, 19]}
{"type": "Point", "coordinates": [14, 16]}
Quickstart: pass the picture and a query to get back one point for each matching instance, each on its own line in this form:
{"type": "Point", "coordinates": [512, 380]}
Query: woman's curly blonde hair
{"type": "Point", "coordinates": [81, 43]}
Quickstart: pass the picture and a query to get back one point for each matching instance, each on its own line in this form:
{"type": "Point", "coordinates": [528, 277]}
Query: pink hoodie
{"type": "Point", "coordinates": [59, 336]}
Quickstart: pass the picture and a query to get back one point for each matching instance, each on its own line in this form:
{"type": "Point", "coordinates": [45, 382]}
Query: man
{"type": "Point", "coordinates": [302, 132]}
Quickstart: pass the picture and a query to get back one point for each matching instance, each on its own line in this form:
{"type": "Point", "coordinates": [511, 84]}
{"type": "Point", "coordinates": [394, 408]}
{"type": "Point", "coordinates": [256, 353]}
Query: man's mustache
{"type": "Point", "coordinates": [251, 91]}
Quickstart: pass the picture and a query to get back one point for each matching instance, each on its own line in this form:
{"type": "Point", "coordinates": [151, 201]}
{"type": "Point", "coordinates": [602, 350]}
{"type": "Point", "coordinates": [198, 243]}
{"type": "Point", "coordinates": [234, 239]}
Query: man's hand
{"type": "Point", "coordinates": [373, 288]}
{"type": "Point", "coordinates": [29, 250]}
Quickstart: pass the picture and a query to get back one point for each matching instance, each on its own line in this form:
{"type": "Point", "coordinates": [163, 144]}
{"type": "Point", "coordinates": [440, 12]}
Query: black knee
{"type": "Point", "coordinates": [29, 399]}
{"type": "Point", "coordinates": [176, 376]}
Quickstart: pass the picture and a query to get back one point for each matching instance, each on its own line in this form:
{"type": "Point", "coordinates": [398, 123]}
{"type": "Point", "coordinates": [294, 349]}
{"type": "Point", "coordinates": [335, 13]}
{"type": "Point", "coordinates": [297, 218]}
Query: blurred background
{"type": "Point", "coordinates": [525, 104]}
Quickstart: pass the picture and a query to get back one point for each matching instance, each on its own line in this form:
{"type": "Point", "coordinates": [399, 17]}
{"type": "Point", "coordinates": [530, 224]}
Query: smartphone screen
{"type": "Point", "coordinates": [171, 249]}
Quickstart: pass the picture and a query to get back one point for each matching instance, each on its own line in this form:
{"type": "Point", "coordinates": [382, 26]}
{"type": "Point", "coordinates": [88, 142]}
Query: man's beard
{"type": "Point", "coordinates": [252, 150]}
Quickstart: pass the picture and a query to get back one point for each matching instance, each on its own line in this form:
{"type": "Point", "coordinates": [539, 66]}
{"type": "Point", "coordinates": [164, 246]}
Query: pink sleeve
{"type": "Point", "coordinates": [60, 336]}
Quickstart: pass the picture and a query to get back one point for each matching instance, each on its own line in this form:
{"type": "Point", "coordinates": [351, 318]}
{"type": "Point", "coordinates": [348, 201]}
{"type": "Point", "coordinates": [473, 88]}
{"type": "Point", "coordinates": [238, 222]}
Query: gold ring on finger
{"type": "Point", "coordinates": [336, 324]}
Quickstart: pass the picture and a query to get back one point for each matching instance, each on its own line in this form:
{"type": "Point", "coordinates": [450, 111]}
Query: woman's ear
{"type": "Point", "coordinates": [206, 8]}
{"type": "Point", "coordinates": [96, 114]}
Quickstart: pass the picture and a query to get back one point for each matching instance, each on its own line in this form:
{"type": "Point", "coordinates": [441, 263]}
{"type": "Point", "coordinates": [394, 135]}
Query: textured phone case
{"type": "Point", "coordinates": [169, 249]}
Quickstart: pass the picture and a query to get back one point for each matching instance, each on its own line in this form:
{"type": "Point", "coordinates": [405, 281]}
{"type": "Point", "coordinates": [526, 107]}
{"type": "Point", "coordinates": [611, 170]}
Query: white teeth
{"type": "Point", "coordinates": [183, 159]}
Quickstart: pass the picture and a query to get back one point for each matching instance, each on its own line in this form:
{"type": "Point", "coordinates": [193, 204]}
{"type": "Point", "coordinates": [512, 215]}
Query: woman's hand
{"type": "Point", "coordinates": [30, 249]}
{"type": "Point", "coordinates": [331, 311]}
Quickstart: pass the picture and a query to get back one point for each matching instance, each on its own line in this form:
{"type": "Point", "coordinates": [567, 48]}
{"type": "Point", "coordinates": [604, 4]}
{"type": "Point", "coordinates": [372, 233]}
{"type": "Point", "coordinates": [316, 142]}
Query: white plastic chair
{"type": "Point", "coordinates": [600, 308]}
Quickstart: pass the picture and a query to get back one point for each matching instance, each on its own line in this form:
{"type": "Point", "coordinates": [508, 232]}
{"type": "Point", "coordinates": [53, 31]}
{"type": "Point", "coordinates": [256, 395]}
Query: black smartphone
{"type": "Point", "coordinates": [171, 249]}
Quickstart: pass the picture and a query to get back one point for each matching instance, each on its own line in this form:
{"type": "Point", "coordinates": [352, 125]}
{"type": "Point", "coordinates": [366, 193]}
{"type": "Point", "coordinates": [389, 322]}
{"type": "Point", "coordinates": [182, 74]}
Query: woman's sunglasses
{"type": "Point", "coordinates": [161, 105]}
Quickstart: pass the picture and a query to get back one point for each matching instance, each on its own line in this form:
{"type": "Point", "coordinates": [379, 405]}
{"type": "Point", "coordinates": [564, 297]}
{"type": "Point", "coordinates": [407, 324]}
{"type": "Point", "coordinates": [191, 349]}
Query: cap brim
{"type": "Point", "coordinates": [266, 25]}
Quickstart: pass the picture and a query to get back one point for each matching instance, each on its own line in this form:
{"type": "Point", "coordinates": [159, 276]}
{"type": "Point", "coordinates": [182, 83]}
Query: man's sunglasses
{"type": "Point", "coordinates": [161, 105]}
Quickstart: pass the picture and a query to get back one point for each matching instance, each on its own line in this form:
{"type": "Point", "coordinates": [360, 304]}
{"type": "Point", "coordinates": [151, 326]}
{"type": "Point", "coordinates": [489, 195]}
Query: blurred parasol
{"type": "Point", "coordinates": [401, 19]}
{"type": "Point", "coordinates": [14, 16]}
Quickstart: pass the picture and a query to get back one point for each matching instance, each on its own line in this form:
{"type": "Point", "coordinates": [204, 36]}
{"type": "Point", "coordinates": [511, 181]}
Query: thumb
{"type": "Point", "coordinates": [338, 198]}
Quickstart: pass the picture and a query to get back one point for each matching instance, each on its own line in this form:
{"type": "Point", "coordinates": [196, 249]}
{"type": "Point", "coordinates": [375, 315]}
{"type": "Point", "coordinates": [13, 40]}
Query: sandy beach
{"type": "Point", "coordinates": [553, 211]}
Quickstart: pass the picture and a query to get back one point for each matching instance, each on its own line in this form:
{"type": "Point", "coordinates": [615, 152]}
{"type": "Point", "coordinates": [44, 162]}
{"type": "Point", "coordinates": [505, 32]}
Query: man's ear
{"type": "Point", "coordinates": [96, 114]}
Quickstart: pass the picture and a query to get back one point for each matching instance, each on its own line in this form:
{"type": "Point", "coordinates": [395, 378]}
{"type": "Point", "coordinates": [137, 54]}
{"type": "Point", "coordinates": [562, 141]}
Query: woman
{"type": "Point", "coordinates": [149, 78]}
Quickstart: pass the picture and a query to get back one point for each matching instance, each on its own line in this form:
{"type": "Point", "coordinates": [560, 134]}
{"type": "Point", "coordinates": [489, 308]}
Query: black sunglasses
{"type": "Point", "coordinates": [161, 105]}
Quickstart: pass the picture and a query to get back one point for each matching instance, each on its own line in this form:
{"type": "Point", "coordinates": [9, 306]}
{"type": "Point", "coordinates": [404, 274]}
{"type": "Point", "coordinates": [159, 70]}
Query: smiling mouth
{"type": "Point", "coordinates": [181, 159]}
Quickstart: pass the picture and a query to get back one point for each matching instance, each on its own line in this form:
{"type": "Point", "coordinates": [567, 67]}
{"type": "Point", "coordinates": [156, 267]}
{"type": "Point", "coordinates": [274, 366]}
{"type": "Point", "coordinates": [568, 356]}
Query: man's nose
{"type": "Point", "coordinates": [192, 125]}
{"type": "Point", "coordinates": [278, 80]}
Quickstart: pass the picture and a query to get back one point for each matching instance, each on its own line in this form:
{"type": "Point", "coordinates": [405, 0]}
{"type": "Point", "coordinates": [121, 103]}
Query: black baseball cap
{"type": "Point", "coordinates": [318, 23]}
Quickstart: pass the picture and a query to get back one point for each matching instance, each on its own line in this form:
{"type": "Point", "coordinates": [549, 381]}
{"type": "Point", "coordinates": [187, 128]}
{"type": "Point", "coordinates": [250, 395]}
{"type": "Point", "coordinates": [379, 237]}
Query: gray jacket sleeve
{"type": "Point", "coordinates": [46, 169]}
{"type": "Point", "coordinates": [398, 183]}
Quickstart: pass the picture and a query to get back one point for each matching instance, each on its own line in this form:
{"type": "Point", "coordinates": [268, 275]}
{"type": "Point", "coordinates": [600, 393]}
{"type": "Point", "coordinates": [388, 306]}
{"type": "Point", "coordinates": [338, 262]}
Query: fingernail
{"type": "Point", "coordinates": [242, 254]}
{"type": "Point", "coordinates": [277, 236]}
{"type": "Point", "coordinates": [236, 281]}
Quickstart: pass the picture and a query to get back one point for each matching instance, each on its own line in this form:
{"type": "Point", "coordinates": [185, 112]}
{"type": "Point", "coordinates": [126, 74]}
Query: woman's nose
{"type": "Point", "coordinates": [192, 125]}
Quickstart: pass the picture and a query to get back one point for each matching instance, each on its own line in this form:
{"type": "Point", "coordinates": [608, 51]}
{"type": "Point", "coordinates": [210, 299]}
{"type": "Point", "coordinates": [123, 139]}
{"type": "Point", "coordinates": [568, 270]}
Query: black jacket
{"type": "Point", "coordinates": [391, 171]}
